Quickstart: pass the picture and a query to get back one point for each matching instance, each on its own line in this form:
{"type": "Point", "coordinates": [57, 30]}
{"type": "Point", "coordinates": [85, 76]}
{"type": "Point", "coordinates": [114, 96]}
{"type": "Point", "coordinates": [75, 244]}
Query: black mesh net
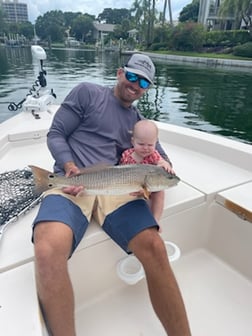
{"type": "Point", "coordinates": [16, 194]}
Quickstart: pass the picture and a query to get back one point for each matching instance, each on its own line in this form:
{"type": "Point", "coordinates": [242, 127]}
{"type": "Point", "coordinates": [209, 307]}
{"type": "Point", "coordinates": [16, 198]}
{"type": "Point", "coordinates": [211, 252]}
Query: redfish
{"type": "Point", "coordinates": [109, 180]}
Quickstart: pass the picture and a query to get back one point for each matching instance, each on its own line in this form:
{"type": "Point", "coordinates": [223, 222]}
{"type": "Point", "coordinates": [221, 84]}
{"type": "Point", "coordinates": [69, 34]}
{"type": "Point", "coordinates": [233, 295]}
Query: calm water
{"type": "Point", "coordinates": [212, 100]}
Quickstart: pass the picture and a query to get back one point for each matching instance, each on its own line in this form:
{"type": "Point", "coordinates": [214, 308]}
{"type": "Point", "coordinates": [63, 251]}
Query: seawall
{"type": "Point", "coordinates": [211, 62]}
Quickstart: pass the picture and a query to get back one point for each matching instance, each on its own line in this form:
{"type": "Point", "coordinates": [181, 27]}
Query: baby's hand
{"type": "Point", "coordinates": [166, 165]}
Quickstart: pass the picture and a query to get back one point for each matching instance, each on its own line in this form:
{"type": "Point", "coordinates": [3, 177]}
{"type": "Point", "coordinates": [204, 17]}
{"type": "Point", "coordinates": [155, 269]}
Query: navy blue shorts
{"type": "Point", "coordinates": [121, 225]}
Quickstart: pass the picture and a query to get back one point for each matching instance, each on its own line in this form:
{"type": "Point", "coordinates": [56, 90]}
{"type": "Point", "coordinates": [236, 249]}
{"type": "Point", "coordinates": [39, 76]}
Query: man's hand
{"type": "Point", "coordinates": [71, 169]}
{"type": "Point", "coordinates": [73, 190]}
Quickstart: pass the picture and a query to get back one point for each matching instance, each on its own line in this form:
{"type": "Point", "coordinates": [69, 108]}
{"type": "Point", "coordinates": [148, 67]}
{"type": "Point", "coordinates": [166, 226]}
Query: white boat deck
{"type": "Point", "coordinates": [218, 300]}
{"type": "Point", "coordinates": [208, 215]}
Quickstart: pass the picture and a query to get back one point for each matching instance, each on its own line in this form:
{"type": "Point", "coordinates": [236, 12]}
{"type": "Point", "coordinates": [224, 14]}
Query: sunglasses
{"type": "Point", "coordinates": [132, 77]}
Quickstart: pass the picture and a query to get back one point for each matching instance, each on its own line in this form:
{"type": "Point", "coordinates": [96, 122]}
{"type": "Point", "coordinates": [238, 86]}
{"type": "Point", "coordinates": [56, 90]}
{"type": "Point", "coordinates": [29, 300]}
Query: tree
{"type": "Point", "coordinates": [121, 31]}
{"type": "Point", "coordinates": [190, 12]}
{"type": "Point", "coordinates": [114, 16]}
{"type": "Point", "coordinates": [151, 21]}
{"type": "Point", "coordinates": [164, 12]}
{"type": "Point", "coordinates": [26, 29]}
{"type": "Point", "coordinates": [170, 12]}
{"type": "Point", "coordinates": [145, 14]}
{"type": "Point", "coordinates": [82, 26]}
{"type": "Point", "coordinates": [162, 36]}
{"type": "Point", "coordinates": [51, 26]}
{"type": "Point", "coordinates": [69, 17]}
{"type": "Point", "coordinates": [137, 11]}
{"type": "Point", "coordinates": [188, 36]}
{"type": "Point", "coordinates": [240, 10]}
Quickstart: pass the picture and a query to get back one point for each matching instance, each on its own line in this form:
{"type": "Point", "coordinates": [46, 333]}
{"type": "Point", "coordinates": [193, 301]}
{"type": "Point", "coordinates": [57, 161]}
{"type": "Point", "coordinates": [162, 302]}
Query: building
{"type": "Point", "coordinates": [102, 29]}
{"type": "Point", "coordinates": [14, 11]}
{"type": "Point", "coordinates": [203, 11]}
{"type": "Point", "coordinates": [209, 17]}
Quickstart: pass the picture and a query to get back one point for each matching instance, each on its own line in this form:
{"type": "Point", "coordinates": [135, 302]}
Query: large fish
{"type": "Point", "coordinates": [109, 180]}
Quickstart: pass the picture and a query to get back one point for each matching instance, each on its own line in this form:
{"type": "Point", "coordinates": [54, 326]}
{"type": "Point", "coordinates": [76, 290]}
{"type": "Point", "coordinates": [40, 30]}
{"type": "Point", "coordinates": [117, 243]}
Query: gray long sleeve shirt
{"type": "Point", "coordinates": [92, 127]}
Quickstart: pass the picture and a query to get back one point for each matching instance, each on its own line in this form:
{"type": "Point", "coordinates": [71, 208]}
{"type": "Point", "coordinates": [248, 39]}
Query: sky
{"type": "Point", "coordinates": [93, 7]}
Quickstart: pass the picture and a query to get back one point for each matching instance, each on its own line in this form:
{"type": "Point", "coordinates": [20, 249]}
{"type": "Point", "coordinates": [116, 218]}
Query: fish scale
{"type": "Point", "coordinates": [109, 180]}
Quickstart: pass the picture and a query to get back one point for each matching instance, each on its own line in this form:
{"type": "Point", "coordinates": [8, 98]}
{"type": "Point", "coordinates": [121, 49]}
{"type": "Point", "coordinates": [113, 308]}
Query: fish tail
{"type": "Point", "coordinates": [41, 179]}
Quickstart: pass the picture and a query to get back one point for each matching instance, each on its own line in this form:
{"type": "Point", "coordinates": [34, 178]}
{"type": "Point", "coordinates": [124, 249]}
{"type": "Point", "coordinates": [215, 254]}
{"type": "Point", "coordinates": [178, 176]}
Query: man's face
{"type": "Point", "coordinates": [127, 91]}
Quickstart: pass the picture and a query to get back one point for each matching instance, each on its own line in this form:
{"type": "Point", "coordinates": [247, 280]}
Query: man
{"type": "Point", "coordinates": [93, 126]}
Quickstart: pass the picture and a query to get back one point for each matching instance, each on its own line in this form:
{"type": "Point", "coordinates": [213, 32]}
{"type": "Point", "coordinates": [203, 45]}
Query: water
{"type": "Point", "coordinates": [217, 101]}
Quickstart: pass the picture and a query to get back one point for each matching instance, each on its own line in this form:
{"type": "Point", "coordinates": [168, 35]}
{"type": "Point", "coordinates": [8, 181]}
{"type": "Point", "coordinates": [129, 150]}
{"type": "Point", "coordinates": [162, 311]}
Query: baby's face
{"type": "Point", "coordinates": [144, 146]}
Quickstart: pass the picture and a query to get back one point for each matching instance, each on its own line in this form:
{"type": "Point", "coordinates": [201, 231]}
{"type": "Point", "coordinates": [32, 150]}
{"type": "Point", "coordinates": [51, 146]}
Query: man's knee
{"type": "Point", "coordinates": [52, 240]}
{"type": "Point", "coordinates": [147, 243]}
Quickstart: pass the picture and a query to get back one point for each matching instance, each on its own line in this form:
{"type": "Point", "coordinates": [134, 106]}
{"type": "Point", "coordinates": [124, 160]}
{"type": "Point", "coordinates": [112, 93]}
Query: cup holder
{"type": "Point", "coordinates": [173, 251]}
{"type": "Point", "coordinates": [130, 269]}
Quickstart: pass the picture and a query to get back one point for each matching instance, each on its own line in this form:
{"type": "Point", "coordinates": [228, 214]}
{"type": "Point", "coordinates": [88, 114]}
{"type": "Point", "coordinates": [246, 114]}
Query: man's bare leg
{"type": "Point", "coordinates": [53, 242]}
{"type": "Point", "coordinates": [157, 204]}
{"type": "Point", "coordinates": [163, 289]}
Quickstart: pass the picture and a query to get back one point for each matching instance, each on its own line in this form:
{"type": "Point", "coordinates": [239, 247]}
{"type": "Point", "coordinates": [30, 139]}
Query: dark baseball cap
{"type": "Point", "coordinates": [141, 65]}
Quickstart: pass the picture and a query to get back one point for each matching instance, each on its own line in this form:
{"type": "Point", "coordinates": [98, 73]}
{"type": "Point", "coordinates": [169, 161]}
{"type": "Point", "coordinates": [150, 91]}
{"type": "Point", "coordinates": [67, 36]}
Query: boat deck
{"type": "Point", "coordinates": [218, 300]}
{"type": "Point", "coordinates": [217, 297]}
{"type": "Point", "coordinates": [208, 215]}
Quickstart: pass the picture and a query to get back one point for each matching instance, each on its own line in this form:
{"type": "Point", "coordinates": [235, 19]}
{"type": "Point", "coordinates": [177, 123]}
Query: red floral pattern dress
{"type": "Point", "coordinates": [127, 158]}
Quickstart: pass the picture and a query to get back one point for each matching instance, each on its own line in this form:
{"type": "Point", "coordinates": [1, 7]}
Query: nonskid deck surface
{"type": "Point", "coordinates": [218, 298]}
{"type": "Point", "coordinates": [218, 301]}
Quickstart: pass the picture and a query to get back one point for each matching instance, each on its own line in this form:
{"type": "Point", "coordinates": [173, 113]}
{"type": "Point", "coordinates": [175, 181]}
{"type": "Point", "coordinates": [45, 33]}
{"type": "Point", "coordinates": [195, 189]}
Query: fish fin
{"type": "Point", "coordinates": [146, 193]}
{"type": "Point", "coordinates": [41, 179]}
{"type": "Point", "coordinates": [94, 168]}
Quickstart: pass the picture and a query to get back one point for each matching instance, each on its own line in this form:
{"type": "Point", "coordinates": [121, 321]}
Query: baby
{"type": "Point", "coordinates": [144, 138]}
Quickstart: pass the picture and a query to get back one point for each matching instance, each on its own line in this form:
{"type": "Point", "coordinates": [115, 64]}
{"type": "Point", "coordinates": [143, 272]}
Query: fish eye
{"type": "Point", "coordinates": [50, 185]}
{"type": "Point", "coordinates": [51, 176]}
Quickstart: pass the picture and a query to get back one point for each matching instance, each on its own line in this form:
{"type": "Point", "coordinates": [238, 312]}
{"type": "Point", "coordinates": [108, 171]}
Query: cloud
{"type": "Point", "coordinates": [38, 7]}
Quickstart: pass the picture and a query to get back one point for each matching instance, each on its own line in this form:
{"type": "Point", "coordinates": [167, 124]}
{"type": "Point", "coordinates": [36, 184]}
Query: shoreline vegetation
{"type": "Point", "coordinates": [223, 55]}
{"type": "Point", "coordinates": [213, 59]}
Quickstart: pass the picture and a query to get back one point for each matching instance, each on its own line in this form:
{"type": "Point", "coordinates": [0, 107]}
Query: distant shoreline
{"type": "Point", "coordinates": [211, 62]}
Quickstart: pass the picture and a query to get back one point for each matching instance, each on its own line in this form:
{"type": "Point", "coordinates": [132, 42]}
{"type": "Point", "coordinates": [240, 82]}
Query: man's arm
{"type": "Point", "coordinates": [64, 123]}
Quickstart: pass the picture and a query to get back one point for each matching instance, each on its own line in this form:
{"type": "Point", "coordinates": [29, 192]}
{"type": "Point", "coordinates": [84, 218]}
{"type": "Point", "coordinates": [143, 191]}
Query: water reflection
{"type": "Point", "coordinates": [212, 100]}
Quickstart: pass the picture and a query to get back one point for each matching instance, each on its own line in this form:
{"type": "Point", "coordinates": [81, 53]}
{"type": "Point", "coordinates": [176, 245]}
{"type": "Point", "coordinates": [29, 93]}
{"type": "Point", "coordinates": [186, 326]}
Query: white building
{"type": "Point", "coordinates": [14, 11]}
{"type": "Point", "coordinates": [209, 17]}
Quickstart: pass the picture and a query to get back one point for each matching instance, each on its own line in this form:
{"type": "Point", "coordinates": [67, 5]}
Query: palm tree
{"type": "Point", "coordinates": [164, 12]}
{"type": "Point", "coordinates": [138, 12]}
{"type": "Point", "coordinates": [150, 18]}
{"type": "Point", "coordinates": [145, 18]}
{"type": "Point", "coordinates": [170, 12]}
